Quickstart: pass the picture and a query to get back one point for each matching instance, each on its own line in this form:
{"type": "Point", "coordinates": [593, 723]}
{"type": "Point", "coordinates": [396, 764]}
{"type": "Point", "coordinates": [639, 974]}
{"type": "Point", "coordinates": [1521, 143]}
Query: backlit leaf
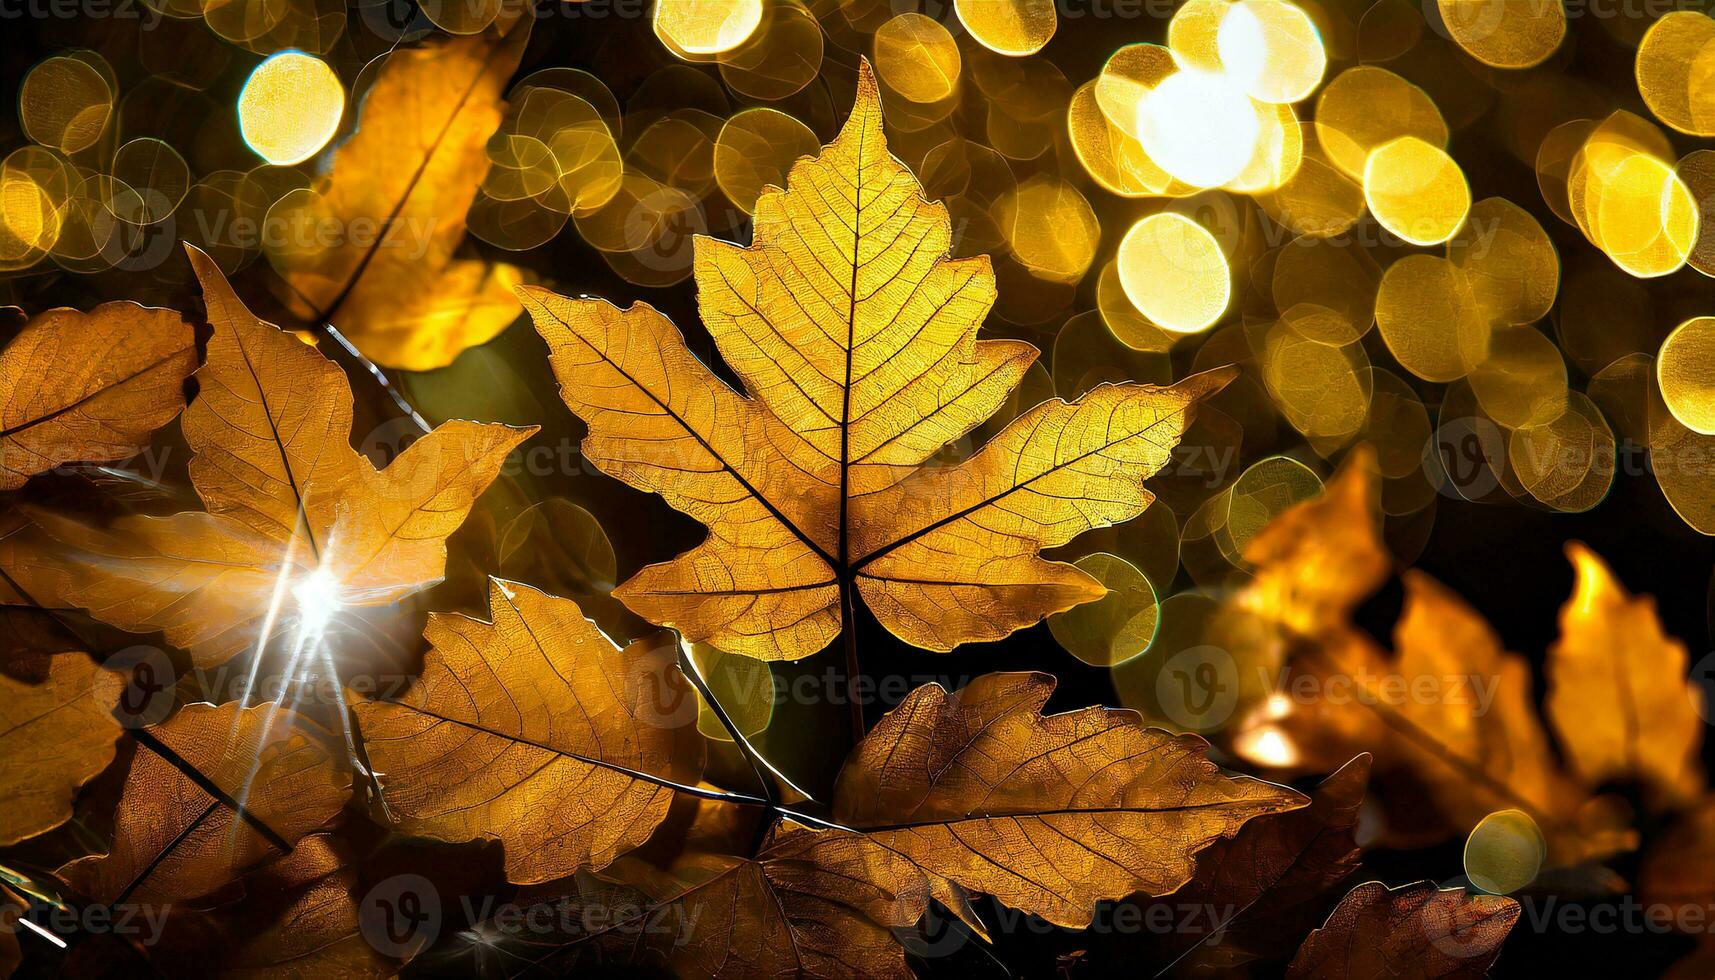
{"type": "Point", "coordinates": [1048, 813]}
{"type": "Point", "coordinates": [288, 500]}
{"type": "Point", "coordinates": [1618, 694]}
{"type": "Point", "coordinates": [536, 730]}
{"type": "Point", "coordinates": [211, 793]}
{"type": "Point", "coordinates": [854, 335]}
{"type": "Point", "coordinates": [89, 386]}
{"type": "Point", "coordinates": [55, 736]}
{"type": "Point", "coordinates": [399, 189]}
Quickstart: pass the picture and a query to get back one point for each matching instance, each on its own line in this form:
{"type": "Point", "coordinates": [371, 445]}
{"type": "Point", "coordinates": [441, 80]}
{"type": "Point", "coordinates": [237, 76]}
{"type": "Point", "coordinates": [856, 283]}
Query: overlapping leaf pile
{"type": "Point", "coordinates": [854, 336]}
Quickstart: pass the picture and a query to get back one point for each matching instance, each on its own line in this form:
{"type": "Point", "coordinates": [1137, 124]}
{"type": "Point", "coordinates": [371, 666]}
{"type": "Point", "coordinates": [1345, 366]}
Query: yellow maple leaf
{"type": "Point", "coordinates": [397, 194]}
{"type": "Point", "coordinates": [89, 386]}
{"type": "Point", "coordinates": [855, 337]}
{"type": "Point", "coordinates": [292, 510]}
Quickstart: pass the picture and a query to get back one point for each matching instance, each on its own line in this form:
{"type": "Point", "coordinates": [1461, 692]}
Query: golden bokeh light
{"type": "Point", "coordinates": [290, 107]}
{"type": "Point", "coordinates": [1053, 230]}
{"type": "Point", "coordinates": [1523, 380]}
{"type": "Point", "coordinates": [1175, 273]}
{"type": "Point", "coordinates": [1127, 77]}
{"type": "Point", "coordinates": [1416, 190]}
{"type": "Point", "coordinates": [1505, 33]}
{"type": "Point", "coordinates": [1568, 464]}
{"type": "Point", "coordinates": [916, 57]}
{"type": "Point", "coordinates": [1685, 369]}
{"type": "Point", "coordinates": [705, 27]}
{"type": "Point", "coordinates": [1115, 628]}
{"type": "Point", "coordinates": [1429, 319]}
{"type": "Point", "coordinates": [66, 101]}
{"type": "Point", "coordinates": [1504, 852]}
{"type": "Point", "coordinates": [1643, 216]}
{"type": "Point", "coordinates": [755, 149]}
{"type": "Point", "coordinates": [1194, 34]}
{"type": "Point", "coordinates": [1200, 127]}
{"type": "Point", "coordinates": [1010, 27]}
{"type": "Point", "coordinates": [1675, 66]}
{"type": "Point", "coordinates": [1508, 260]}
{"type": "Point", "coordinates": [1361, 108]}
{"type": "Point", "coordinates": [1272, 48]}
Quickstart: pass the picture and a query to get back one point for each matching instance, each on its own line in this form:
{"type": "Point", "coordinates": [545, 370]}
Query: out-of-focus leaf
{"type": "Point", "coordinates": [537, 731]}
{"type": "Point", "coordinates": [211, 793]}
{"type": "Point", "coordinates": [1272, 875]}
{"type": "Point", "coordinates": [1315, 562]}
{"type": "Point", "coordinates": [1617, 690]}
{"type": "Point", "coordinates": [1048, 813]}
{"type": "Point", "coordinates": [1414, 932]}
{"type": "Point", "coordinates": [288, 500]}
{"type": "Point", "coordinates": [89, 386]}
{"type": "Point", "coordinates": [55, 736]}
{"type": "Point", "coordinates": [1475, 757]}
{"type": "Point", "coordinates": [1675, 872]}
{"type": "Point", "coordinates": [400, 188]}
{"type": "Point", "coordinates": [854, 335]}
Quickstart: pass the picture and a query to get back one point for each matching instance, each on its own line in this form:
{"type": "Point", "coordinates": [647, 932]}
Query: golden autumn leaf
{"type": "Point", "coordinates": [537, 731]}
{"type": "Point", "coordinates": [292, 510]}
{"type": "Point", "coordinates": [818, 903]}
{"type": "Point", "coordinates": [1315, 562]}
{"type": "Point", "coordinates": [1477, 750]}
{"type": "Point", "coordinates": [855, 337]}
{"type": "Point", "coordinates": [89, 387]}
{"type": "Point", "coordinates": [301, 920]}
{"type": "Point", "coordinates": [1049, 814]}
{"type": "Point", "coordinates": [211, 793]}
{"type": "Point", "coordinates": [55, 736]}
{"type": "Point", "coordinates": [398, 191]}
{"type": "Point", "coordinates": [1617, 689]}
{"type": "Point", "coordinates": [1414, 932]}
{"type": "Point", "coordinates": [1271, 875]}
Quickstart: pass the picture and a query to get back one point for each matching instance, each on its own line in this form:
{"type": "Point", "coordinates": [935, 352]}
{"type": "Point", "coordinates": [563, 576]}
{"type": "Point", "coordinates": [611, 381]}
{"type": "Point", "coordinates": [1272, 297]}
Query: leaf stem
{"type": "Point", "coordinates": [758, 767]}
{"type": "Point", "coordinates": [848, 632]}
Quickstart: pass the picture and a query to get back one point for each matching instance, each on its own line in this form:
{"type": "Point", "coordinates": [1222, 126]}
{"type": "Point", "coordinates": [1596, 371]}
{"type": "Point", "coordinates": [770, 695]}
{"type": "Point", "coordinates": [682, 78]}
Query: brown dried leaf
{"type": "Point", "coordinates": [300, 922]}
{"type": "Point", "coordinates": [55, 736]}
{"type": "Point", "coordinates": [1272, 875]}
{"type": "Point", "coordinates": [537, 731]}
{"type": "Point", "coordinates": [816, 903]}
{"type": "Point", "coordinates": [1414, 932]}
{"type": "Point", "coordinates": [211, 793]}
{"type": "Point", "coordinates": [1048, 813]}
{"type": "Point", "coordinates": [89, 387]}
